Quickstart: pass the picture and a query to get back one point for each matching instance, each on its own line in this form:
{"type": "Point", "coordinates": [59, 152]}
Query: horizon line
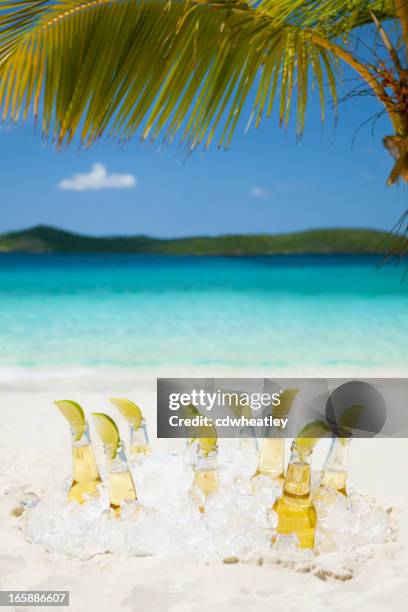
{"type": "Point", "coordinates": [189, 236]}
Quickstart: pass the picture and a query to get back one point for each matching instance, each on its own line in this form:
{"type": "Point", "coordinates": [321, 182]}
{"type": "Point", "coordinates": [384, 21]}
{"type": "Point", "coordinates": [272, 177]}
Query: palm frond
{"type": "Point", "coordinates": [168, 67]}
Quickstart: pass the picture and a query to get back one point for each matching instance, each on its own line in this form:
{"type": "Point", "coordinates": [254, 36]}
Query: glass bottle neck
{"type": "Point", "coordinates": [337, 459]}
{"type": "Point", "coordinates": [120, 481]}
{"type": "Point", "coordinates": [84, 440]}
{"type": "Point", "coordinates": [272, 456]}
{"type": "Point", "coordinates": [207, 461]}
{"type": "Point", "coordinates": [116, 462]}
{"type": "Point", "coordinates": [297, 479]}
{"type": "Point", "coordinates": [139, 435]}
{"type": "Point", "coordinates": [84, 465]}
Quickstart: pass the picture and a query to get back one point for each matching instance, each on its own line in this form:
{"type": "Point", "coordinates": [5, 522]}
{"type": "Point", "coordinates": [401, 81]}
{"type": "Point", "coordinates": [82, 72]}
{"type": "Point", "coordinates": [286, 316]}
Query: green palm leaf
{"type": "Point", "coordinates": [168, 67]}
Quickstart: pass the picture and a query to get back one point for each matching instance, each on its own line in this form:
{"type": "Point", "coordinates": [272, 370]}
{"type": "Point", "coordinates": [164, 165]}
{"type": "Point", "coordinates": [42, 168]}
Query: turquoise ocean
{"type": "Point", "coordinates": [69, 311]}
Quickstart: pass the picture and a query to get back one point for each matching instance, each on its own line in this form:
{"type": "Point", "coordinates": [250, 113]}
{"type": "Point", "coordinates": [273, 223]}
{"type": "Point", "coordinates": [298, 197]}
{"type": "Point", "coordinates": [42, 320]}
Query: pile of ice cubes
{"type": "Point", "coordinates": [238, 520]}
{"type": "Point", "coordinates": [346, 524]}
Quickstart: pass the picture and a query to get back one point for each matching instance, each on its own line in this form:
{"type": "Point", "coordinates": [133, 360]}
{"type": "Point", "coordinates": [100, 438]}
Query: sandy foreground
{"type": "Point", "coordinates": [35, 454]}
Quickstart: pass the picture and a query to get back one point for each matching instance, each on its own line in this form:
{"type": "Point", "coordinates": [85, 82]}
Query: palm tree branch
{"type": "Point", "coordinates": [360, 68]}
{"type": "Point", "coordinates": [189, 65]}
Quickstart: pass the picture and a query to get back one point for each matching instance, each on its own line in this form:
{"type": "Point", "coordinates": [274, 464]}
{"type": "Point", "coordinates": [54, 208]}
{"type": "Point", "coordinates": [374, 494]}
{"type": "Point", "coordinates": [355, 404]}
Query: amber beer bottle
{"type": "Point", "coordinates": [295, 508]}
{"type": "Point", "coordinates": [85, 474]}
{"type": "Point", "coordinates": [334, 475]}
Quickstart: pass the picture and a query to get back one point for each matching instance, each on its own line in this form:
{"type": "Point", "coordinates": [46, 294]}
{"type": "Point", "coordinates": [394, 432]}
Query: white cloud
{"type": "Point", "coordinates": [258, 192]}
{"type": "Point", "coordinates": [98, 178]}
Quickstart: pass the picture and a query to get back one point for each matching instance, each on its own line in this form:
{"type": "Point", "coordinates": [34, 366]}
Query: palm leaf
{"type": "Point", "coordinates": [168, 67]}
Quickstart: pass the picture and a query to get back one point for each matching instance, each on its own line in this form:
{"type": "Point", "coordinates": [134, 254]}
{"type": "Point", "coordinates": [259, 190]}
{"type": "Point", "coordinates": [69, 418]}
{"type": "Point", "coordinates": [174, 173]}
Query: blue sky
{"type": "Point", "coordinates": [265, 182]}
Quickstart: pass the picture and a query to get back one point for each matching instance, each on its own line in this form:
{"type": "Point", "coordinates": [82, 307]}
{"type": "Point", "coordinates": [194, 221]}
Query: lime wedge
{"type": "Point", "coordinates": [204, 435]}
{"type": "Point", "coordinates": [287, 399]}
{"type": "Point", "coordinates": [190, 411]}
{"type": "Point", "coordinates": [207, 445]}
{"type": "Point", "coordinates": [107, 431]}
{"type": "Point", "coordinates": [349, 420]}
{"type": "Point", "coordinates": [129, 410]}
{"type": "Point", "coordinates": [74, 415]}
{"type": "Point", "coordinates": [209, 442]}
{"type": "Point", "coordinates": [307, 439]}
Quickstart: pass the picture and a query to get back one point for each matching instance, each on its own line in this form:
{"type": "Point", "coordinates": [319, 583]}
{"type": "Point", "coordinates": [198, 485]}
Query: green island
{"type": "Point", "coordinates": [44, 239]}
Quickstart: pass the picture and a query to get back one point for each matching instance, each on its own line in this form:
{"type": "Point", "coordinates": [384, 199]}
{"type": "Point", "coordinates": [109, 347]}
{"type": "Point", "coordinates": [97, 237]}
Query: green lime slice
{"type": "Point", "coordinates": [74, 414]}
{"type": "Point", "coordinates": [204, 435]}
{"type": "Point", "coordinates": [349, 420]}
{"type": "Point", "coordinates": [107, 431]}
{"type": "Point", "coordinates": [208, 442]}
{"type": "Point", "coordinates": [287, 399]}
{"type": "Point", "coordinates": [309, 436]}
{"type": "Point", "coordinates": [190, 411]}
{"type": "Point", "coordinates": [207, 445]}
{"type": "Point", "coordinates": [129, 410]}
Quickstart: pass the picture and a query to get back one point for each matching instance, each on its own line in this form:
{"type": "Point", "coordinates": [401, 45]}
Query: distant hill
{"type": "Point", "coordinates": [43, 239]}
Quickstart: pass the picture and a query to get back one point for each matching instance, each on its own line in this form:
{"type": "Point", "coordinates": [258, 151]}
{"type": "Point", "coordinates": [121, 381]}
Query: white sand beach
{"type": "Point", "coordinates": [36, 457]}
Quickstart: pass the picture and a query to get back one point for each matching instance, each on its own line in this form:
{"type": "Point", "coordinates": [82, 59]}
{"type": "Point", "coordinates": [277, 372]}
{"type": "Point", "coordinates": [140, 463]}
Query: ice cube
{"type": "Point", "coordinates": [265, 490]}
{"type": "Point", "coordinates": [374, 529]}
{"type": "Point", "coordinates": [272, 518]}
{"type": "Point", "coordinates": [359, 505]}
{"type": "Point", "coordinates": [335, 516]}
{"type": "Point", "coordinates": [324, 496]}
{"type": "Point", "coordinates": [248, 458]}
{"type": "Point", "coordinates": [113, 538]}
{"type": "Point", "coordinates": [287, 543]}
{"type": "Point", "coordinates": [341, 502]}
{"type": "Point", "coordinates": [130, 509]}
{"type": "Point", "coordinates": [325, 541]}
{"type": "Point", "coordinates": [29, 501]}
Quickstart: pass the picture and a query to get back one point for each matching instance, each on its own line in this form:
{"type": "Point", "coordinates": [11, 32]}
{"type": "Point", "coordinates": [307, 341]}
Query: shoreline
{"type": "Point", "coordinates": [23, 379]}
{"type": "Point", "coordinates": [300, 254]}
